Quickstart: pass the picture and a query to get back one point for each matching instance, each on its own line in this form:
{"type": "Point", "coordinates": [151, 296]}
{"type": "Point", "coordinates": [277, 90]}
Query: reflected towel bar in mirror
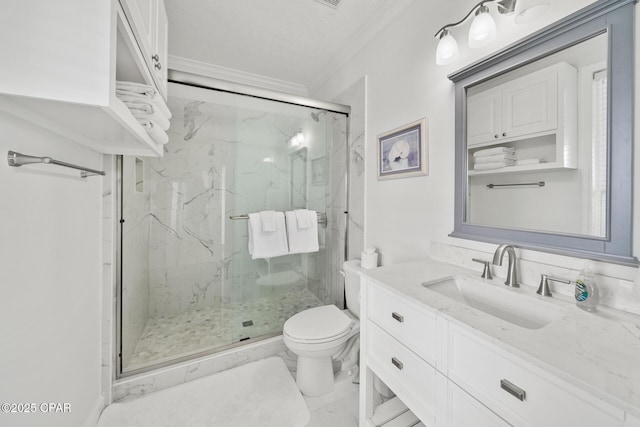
{"type": "Point", "coordinates": [16, 160]}
{"type": "Point", "coordinates": [524, 184]}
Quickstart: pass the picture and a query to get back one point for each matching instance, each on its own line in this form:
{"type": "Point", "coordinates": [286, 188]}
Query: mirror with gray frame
{"type": "Point", "coordinates": [544, 139]}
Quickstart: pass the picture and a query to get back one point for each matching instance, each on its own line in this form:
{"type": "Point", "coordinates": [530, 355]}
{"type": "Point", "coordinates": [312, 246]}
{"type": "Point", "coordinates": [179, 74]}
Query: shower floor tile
{"type": "Point", "coordinates": [169, 337]}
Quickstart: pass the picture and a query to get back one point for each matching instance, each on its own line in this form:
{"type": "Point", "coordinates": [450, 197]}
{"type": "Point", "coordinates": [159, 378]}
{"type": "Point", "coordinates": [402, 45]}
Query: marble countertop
{"type": "Point", "coordinates": [598, 352]}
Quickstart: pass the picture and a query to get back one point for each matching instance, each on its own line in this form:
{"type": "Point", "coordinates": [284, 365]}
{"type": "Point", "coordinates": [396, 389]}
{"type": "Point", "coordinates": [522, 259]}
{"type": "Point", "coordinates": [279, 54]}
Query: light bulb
{"type": "Point", "coordinates": [530, 10]}
{"type": "Point", "coordinates": [447, 49]}
{"type": "Point", "coordinates": [483, 28]}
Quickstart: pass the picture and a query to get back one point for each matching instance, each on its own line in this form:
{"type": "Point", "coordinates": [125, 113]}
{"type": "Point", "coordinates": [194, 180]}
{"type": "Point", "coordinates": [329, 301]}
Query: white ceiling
{"type": "Point", "coordinates": [296, 41]}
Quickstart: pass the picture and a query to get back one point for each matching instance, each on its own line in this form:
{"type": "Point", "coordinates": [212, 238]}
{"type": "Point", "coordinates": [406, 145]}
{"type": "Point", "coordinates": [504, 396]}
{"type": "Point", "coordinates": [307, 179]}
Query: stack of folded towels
{"type": "Point", "coordinates": [494, 158]}
{"type": "Point", "coordinates": [147, 106]}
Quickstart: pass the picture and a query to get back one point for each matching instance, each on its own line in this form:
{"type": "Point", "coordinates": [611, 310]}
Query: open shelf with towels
{"type": "Point", "coordinates": [72, 92]}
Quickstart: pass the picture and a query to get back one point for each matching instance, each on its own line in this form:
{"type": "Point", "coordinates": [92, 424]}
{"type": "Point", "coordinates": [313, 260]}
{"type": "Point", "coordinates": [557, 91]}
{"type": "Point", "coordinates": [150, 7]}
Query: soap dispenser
{"type": "Point", "coordinates": [587, 297]}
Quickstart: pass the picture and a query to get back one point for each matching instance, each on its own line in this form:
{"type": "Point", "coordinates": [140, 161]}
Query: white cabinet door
{"type": "Point", "coordinates": [484, 117]}
{"type": "Point", "coordinates": [150, 23]}
{"type": "Point", "coordinates": [521, 107]}
{"type": "Point", "coordinates": [161, 48]}
{"type": "Point", "coordinates": [530, 104]}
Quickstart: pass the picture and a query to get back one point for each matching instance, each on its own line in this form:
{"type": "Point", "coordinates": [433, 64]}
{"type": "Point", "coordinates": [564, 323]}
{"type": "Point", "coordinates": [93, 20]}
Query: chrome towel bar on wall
{"type": "Point", "coordinates": [524, 184]}
{"type": "Point", "coordinates": [17, 159]}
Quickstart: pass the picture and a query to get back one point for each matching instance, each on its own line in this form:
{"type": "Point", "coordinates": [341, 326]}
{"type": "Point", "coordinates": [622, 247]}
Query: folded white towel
{"type": "Point", "coordinates": [159, 101]}
{"type": "Point", "coordinates": [147, 107]}
{"type": "Point", "coordinates": [494, 165]}
{"type": "Point", "coordinates": [302, 240]}
{"type": "Point", "coordinates": [493, 151]}
{"type": "Point", "coordinates": [156, 117]}
{"type": "Point", "coordinates": [494, 158]}
{"type": "Point", "coordinates": [154, 131]}
{"type": "Point", "coordinates": [135, 87]}
{"type": "Point", "coordinates": [531, 161]}
{"type": "Point", "coordinates": [268, 219]}
{"type": "Point", "coordinates": [267, 244]}
{"type": "Point", "coordinates": [156, 100]}
{"type": "Point", "coordinates": [303, 218]}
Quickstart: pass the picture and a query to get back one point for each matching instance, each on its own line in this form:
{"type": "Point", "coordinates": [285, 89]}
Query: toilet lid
{"type": "Point", "coordinates": [319, 323]}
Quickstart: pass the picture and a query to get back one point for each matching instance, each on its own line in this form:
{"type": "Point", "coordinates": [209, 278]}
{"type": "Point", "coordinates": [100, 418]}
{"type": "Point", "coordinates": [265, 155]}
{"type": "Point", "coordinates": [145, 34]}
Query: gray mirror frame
{"type": "Point", "coordinates": [616, 18]}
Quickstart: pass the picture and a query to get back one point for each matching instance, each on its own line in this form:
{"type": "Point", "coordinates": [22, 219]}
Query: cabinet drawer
{"type": "Point", "coordinates": [465, 411]}
{"type": "Point", "coordinates": [411, 378]}
{"type": "Point", "coordinates": [412, 326]}
{"type": "Point", "coordinates": [521, 393]}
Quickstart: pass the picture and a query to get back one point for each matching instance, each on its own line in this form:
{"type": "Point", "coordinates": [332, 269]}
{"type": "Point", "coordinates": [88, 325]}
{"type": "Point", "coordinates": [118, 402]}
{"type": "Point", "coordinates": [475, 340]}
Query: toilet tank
{"type": "Point", "coordinates": [352, 271]}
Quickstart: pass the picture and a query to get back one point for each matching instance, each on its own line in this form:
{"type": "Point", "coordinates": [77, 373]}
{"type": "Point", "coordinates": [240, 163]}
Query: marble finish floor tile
{"type": "Point", "coordinates": [169, 337]}
{"type": "Point", "coordinates": [337, 409]}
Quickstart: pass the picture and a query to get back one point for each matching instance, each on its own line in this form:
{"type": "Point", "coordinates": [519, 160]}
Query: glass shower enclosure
{"type": "Point", "coordinates": [188, 285]}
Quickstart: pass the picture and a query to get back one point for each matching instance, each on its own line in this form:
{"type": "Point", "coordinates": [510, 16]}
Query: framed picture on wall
{"type": "Point", "coordinates": [403, 152]}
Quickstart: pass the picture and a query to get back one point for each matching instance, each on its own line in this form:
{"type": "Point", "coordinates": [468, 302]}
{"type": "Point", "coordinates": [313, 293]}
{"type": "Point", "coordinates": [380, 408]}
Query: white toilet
{"type": "Point", "coordinates": [318, 334]}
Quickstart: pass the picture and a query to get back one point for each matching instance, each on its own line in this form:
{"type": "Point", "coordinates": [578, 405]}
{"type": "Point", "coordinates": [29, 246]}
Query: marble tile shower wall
{"type": "Point", "coordinates": [224, 160]}
{"type": "Point", "coordinates": [355, 97]}
{"type": "Point", "coordinates": [135, 272]}
{"type": "Point", "coordinates": [186, 252]}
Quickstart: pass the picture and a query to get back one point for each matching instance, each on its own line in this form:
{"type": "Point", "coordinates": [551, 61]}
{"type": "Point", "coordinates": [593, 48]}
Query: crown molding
{"type": "Point", "coordinates": [234, 76]}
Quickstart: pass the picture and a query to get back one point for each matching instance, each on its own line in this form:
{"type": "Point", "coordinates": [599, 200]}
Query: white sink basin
{"type": "Point", "coordinates": [504, 304]}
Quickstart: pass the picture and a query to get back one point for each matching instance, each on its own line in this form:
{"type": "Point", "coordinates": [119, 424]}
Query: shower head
{"type": "Point", "coordinates": [316, 116]}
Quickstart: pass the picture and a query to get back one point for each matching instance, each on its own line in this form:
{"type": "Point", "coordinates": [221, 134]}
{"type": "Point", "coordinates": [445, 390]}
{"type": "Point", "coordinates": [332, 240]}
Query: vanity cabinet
{"type": "Point", "coordinates": [59, 72]}
{"type": "Point", "coordinates": [528, 113]}
{"type": "Point", "coordinates": [149, 20]}
{"type": "Point", "coordinates": [449, 375]}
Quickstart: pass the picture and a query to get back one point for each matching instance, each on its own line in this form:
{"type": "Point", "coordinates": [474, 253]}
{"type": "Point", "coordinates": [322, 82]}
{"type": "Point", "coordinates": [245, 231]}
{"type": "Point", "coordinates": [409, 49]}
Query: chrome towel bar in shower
{"type": "Point", "coordinates": [322, 218]}
{"type": "Point", "coordinates": [524, 184]}
{"type": "Point", "coordinates": [16, 159]}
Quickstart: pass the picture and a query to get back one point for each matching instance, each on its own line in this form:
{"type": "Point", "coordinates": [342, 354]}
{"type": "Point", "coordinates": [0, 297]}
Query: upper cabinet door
{"type": "Point", "coordinates": [161, 48]}
{"type": "Point", "coordinates": [530, 104]}
{"type": "Point", "coordinates": [149, 21]}
{"type": "Point", "coordinates": [484, 117]}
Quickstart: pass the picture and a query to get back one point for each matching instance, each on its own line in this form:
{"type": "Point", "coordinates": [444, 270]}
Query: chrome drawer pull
{"type": "Point", "coordinates": [513, 389]}
{"type": "Point", "coordinates": [398, 364]}
{"type": "Point", "coordinates": [398, 317]}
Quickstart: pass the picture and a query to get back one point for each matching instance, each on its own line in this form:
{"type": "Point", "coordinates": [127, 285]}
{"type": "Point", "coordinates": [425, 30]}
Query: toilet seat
{"type": "Point", "coordinates": [317, 325]}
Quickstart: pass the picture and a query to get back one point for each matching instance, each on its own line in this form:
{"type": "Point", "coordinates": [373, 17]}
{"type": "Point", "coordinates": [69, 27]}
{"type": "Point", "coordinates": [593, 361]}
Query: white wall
{"type": "Point", "coordinates": [404, 84]}
{"type": "Point", "coordinates": [50, 261]}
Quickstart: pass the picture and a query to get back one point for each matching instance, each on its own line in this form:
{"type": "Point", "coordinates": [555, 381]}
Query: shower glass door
{"type": "Point", "coordinates": [188, 284]}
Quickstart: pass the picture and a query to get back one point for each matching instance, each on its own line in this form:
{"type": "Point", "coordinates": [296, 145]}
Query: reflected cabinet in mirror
{"type": "Point", "coordinates": [544, 139]}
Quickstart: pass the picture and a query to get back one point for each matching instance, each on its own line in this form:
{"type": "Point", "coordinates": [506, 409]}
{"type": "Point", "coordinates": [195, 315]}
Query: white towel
{"type": "Point", "coordinates": [147, 107]}
{"type": "Point", "coordinates": [494, 158]}
{"type": "Point", "coordinates": [493, 151]}
{"type": "Point", "coordinates": [156, 100]}
{"type": "Point", "coordinates": [531, 161]}
{"type": "Point", "coordinates": [267, 244]}
{"type": "Point", "coordinates": [156, 117]}
{"type": "Point", "coordinates": [303, 218]}
{"type": "Point", "coordinates": [302, 240]}
{"type": "Point", "coordinates": [268, 219]}
{"type": "Point", "coordinates": [135, 88]}
{"type": "Point", "coordinates": [154, 131]}
{"type": "Point", "coordinates": [494, 165]}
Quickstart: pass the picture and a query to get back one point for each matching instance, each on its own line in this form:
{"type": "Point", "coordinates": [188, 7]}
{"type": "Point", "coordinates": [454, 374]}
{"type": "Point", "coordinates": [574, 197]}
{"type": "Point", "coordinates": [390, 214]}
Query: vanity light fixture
{"type": "Point", "coordinates": [483, 28]}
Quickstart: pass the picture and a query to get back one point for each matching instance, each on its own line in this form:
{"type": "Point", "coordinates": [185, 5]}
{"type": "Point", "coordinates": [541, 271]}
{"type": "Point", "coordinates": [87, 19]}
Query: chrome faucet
{"type": "Point", "coordinates": [512, 275]}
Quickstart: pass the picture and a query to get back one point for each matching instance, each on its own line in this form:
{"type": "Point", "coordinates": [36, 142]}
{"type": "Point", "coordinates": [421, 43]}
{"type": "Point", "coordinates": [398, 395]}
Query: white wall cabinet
{"type": "Point", "coordinates": [525, 113]}
{"type": "Point", "coordinates": [149, 21]}
{"type": "Point", "coordinates": [462, 380]}
{"type": "Point", "coordinates": [60, 69]}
